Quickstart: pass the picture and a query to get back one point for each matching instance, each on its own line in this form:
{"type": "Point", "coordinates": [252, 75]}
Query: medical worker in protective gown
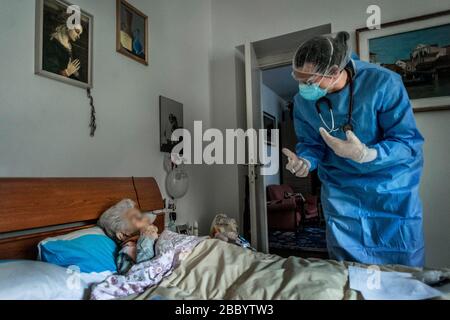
{"type": "Point", "coordinates": [354, 123]}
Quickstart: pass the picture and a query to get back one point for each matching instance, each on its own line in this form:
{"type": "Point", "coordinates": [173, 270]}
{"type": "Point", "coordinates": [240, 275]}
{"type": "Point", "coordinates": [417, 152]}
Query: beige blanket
{"type": "Point", "coordinates": [217, 270]}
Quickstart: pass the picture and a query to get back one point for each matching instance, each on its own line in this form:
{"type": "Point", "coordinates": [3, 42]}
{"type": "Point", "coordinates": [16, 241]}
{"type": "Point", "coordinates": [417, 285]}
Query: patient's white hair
{"type": "Point", "coordinates": [112, 220]}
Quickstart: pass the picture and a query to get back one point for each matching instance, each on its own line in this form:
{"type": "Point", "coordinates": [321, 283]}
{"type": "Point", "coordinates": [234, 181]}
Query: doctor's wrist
{"type": "Point", "coordinates": [308, 164]}
{"type": "Point", "coordinates": [367, 155]}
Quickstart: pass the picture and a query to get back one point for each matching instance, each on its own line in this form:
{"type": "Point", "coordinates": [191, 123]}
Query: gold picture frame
{"type": "Point", "coordinates": [131, 41]}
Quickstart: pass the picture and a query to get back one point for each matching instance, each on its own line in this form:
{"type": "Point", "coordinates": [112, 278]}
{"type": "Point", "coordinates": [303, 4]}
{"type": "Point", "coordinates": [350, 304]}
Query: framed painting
{"type": "Point", "coordinates": [63, 44]}
{"type": "Point", "coordinates": [171, 119]}
{"type": "Point", "coordinates": [183, 229]}
{"type": "Point", "coordinates": [418, 49]}
{"type": "Point", "coordinates": [132, 32]}
{"type": "Point", "coordinates": [270, 123]}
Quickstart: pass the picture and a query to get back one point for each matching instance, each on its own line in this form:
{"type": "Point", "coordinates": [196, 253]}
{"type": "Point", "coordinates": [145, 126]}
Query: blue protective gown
{"type": "Point", "coordinates": [373, 211]}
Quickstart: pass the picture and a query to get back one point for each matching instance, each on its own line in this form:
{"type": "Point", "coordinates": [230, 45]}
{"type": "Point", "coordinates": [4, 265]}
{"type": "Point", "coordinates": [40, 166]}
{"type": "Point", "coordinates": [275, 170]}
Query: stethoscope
{"type": "Point", "coordinates": [348, 126]}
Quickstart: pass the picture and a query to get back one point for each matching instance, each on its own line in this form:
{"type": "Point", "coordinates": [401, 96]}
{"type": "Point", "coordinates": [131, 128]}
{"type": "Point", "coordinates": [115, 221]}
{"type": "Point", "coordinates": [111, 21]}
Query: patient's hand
{"type": "Point", "coordinates": [150, 231]}
{"type": "Point", "coordinates": [130, 249]}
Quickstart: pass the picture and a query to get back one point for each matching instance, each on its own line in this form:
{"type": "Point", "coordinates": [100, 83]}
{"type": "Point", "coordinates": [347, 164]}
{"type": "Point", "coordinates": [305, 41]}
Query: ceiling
{"type": "Point", "coordinates": [281, 82]}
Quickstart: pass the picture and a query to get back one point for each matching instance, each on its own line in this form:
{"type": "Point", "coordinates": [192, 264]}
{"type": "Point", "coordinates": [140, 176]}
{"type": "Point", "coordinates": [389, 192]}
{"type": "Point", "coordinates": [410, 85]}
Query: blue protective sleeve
{"type": "Point", "coordinates": [401, 140]}
{"type": "Point", "coordinates": [310, 144]}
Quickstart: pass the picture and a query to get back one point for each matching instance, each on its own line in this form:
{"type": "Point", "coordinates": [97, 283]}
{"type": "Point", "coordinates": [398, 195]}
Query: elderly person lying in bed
{"type": "Point", "coordinates": [133, 230]}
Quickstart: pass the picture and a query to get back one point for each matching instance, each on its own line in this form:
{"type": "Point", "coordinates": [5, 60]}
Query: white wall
{"type": "Point", "coordinates": [435, 186]}
{"type": "Point", "coordinates": [44, 124]}
{"type": "Point", "coordinates": [235, 22]}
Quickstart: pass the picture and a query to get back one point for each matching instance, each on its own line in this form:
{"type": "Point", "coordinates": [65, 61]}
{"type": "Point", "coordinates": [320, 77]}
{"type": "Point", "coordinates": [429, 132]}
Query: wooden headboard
{"type": "Point", "coordinates": [27, 204]}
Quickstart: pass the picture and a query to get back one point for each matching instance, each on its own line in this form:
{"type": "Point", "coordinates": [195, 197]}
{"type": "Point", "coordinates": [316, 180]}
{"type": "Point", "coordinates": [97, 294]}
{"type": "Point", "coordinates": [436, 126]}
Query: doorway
{"type": "Point", "coordinates": [294, 214]}
{"type": "Point", "coordinates": [265, 90]}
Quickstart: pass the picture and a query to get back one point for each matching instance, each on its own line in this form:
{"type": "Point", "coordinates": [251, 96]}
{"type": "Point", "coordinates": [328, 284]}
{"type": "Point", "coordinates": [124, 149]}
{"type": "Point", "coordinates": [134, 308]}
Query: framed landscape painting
{"type": "Point", "coordinates": [418, 49]}
{"type": "Point", "coordinates": [270, 123]}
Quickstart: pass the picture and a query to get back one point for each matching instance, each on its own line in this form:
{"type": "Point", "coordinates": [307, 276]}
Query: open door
{"type": "Point", "coordinates": [262, 55]}
{"type": "Point", "coordinates": [257, 192]}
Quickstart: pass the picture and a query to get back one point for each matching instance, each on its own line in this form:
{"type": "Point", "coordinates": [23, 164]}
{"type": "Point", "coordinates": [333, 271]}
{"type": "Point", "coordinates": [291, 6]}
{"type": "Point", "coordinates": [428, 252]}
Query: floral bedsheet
{"type": "Point", "coordinates": [171, 249]}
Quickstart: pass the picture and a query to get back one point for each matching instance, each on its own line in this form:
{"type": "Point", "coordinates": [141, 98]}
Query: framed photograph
{"type": "Point", "coordinates": [63, 51]}
{"type": "Point", "coordinates": [270, 123]}
{"type": "Point", "coordinates": [171, 119]}
{"type": "Point", "coordinates": [132, 32]}
{"type": "Point", "coordinates": [419, 50]}
{"type": "Point", "coordinates": [183, 229]}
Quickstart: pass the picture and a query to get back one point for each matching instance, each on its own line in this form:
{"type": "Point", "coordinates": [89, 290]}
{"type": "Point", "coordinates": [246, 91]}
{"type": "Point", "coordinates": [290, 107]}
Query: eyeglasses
{"type": "Point", "coordinates": [309, 78]}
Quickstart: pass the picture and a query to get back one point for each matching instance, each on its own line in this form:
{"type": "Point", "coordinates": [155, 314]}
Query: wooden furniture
{"type": "Point", "coordinates": [27, 204]}
{"type": "Point", "coordinates": [160, 221]}
{"type": "Point", "coordinates": [283, 212]}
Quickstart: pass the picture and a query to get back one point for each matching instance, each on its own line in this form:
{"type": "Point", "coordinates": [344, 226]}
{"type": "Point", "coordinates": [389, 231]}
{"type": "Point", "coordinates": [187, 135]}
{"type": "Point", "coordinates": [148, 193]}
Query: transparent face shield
{"type": "Point", "coordinates": [307, 78]}
{"type": "Point", "coordinates": [309, 74]}
{"type": "Point", "coordinates": [321, 58]}
{"type": "Point", "coordinates": [317, 60]}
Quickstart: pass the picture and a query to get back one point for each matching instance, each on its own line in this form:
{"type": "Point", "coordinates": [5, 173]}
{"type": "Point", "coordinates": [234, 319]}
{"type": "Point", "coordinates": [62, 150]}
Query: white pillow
{"type": "Point", "coordinates": [35, 280]}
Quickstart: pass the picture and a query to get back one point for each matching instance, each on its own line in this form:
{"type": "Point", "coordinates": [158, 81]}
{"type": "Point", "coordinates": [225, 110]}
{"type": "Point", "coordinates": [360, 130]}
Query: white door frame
{"type": "Point", "coordinates": [257, 194]}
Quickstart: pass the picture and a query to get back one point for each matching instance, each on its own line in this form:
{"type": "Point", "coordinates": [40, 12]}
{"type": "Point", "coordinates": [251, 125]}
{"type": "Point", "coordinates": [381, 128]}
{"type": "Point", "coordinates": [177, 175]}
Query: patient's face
{"type": "Point", "coordinates": [136, 220]}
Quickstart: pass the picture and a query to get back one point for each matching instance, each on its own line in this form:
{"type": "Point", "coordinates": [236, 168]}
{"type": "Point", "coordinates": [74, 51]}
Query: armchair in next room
{"type": "Point", "coordinates": [286, 210]}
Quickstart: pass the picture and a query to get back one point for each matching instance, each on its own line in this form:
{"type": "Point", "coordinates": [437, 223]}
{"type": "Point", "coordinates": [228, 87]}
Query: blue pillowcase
{"type": "Point", "coordinates": [91, 250]}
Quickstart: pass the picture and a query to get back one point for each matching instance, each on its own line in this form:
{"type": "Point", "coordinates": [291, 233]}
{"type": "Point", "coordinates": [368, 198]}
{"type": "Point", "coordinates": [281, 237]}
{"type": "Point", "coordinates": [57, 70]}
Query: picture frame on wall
{"type": "Point", "coordinates": [131, 32]}
{"type": "Point", "coordinates": [62, 53]}
{"type": "Point", "coordinates": [183, 229]}
{"type": "Point", "coordinates": [418, 49]}
{"type": "Point", "coordinates": [270, 123]}
{"type": "Point", "coordinates": [171, 119]}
